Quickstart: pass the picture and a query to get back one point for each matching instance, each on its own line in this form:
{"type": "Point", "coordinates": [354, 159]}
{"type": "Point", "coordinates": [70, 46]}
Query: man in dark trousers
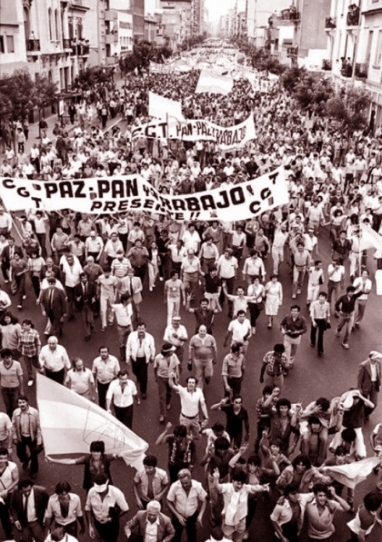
{"type": "Point", "coordinates": [28, 507]}
{"type": "Point", "coordinates": [7, 255]}
{"type": "Point", "coordinates": [84, 299]}
{"type": "Point", "coordinates": [369, 379]}
{"type": "Point", "coordinates": [53, 304]}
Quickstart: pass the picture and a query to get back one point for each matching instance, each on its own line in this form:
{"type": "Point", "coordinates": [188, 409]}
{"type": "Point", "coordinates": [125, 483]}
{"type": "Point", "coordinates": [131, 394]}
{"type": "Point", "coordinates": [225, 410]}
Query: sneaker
{"type": "Point", "coordinates": [299, 291]}
{"type": "Point", "coordinates": [103, 328]}
{"type": "Point", "coordinates": [338, 334]}
{"type": "Point", "coordinates": [168, 406]}
{"type": "Point", "coordinates": [19, 307]}
{"type": "Point", "coordinates": [161, 419]}
{"type": "Point", "coordinates": [345, 345]}
{"type": "Point", "coordinates": [294, 296]}
{"type": "Point", "coordinates": [30, 382]}
{"type": "Point", "coordinates": [24, 296]}
{"type": "Point", "coordinates": [138, 401]}
{"type": "Point", "coordinates": [161, 279]}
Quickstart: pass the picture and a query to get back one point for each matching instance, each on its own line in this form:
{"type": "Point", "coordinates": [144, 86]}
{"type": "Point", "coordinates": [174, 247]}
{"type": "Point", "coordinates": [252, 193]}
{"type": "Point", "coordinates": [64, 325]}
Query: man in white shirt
{"type": "Point", "coordinates": [240, 329]}
{"type": "Point", "coordinates": [365, 284]}
{"type": "Point", "coordinates": [227, 270]}
{"type": "Point", "coordinates": [176, 334]}
{"type": "Point", "coordinates": [54, 360]}
{"type": "Point", "coordinates": [191, 238]}
{"type": "Point", "coordinates": [94, 246]}
{"type": "Point", "coordinates": [140, 351]}
{"type": "Point", "coordinates": [105, 369]}
{"type": "Point", "coordinates": [105, 504]}
{"type": "Point", "coordinates": [123, 312]}
{"type": "Point", "coordinates": [191, 399]}
{"type": "Point", "coordinates": [121, 393]}
{"type": "Point", "coordinates": [71, 270]}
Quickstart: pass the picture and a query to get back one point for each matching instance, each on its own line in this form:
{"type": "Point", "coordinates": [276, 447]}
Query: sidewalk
{"type": "Point", "coordinates": [33, 136]}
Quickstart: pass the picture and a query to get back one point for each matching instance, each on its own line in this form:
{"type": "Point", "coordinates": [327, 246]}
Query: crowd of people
{"type": "Point", "coordinates": [99, 269]}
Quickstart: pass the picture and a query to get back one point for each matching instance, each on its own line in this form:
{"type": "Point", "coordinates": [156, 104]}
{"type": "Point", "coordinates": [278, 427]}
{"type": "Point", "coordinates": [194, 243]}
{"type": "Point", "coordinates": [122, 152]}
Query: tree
{"type": "Point", "coordinates": [19, 94]}
{"type": "Point", "coordinates": [350, 108]}
{"type": "Point", "coordinates": [292, 77]}
{"type": "Point", "coordinates": [312, 92]}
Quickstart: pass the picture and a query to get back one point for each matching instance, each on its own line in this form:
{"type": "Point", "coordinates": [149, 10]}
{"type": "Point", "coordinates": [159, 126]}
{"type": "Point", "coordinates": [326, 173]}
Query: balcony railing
{"type": "Point", "coordinates": [361, 70]}
{"type": "Point", "coordinates": [66, 43]}
{"type": "Point", "coordinates": [330, 22]}
{"type": "Point", "coordinates": [290, 14]}
{"type": "Point", "coordinates": [353, 16]}
{"type": "Point", "coordinates": [327, 65]}
{"type": "Point", "coordinates": [33, 45]}
{"type": "Point", "coordinates": [79, 49]}
{"type": "Point", "coordinates": [292, 52]}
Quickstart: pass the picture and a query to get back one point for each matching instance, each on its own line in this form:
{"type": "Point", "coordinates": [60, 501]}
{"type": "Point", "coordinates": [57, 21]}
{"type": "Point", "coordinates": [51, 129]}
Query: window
{"type": "Point", "coordinates": [369, 45]}
{"type": "Point", "coordinates": [26, 23]}
{"type": "Point", "coordinates": [2, 44]}
{"type": "Point", "coordinates": [50, 24]}
{"type": "Point", "coordinates": [56, 25]}
{"type": "Point", "coordinates": [378, 52]}
{"type": "Point", "coordinates": [10, 44]}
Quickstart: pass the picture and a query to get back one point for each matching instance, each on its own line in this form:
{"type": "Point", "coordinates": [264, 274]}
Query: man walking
{"type": "Point", "coordinates": [121, 393]}
{"type": "Point", "coordinates": [345, 307]}
{"type": "Point", "coordinates": [105, 369]}
{"type": "Point", "coordinates": [203, 355]}
{"type": "Point", "coordinates": [84, 298]}
{"type": "Point", "coordinates": [27, 434]}
{"type": "Point", "coordinates": [140, 351]}
{"type": "Point", "coordinates": [369, 379]}
{"type": "Point", "coordinates": [28, 507]}
{"type": "Point", "coordinates": [293, 326]}
{"type": "Point", "coordinates": [53, 303]}
{"type": "Point", "coordinates": [54, 360]}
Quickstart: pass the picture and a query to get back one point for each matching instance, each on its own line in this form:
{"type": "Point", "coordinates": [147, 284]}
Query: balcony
{"type": "Point", "coordinates": [353, 16]}
{"type": "Point", "coordinates": [361, 70]}
{"type": "Point", "coordinates": [290, 14]}
{"type": "Point", "coordinates": [33, 45]}
{"type": "Point", "coordinates": [79, 49]}
{"type": "Point", "coordinates": [330, 23]}
{"type": "Point", "coordinates": [292, 52]}
{"type": "Point", "coordinates": [346, 70]}
{"type": "Point", "coordinates": [327, 65]}
{"type": "Point", "coordinates": [111, 37]}
{"type": "Point", "coordinates": [66, 43]}
{"type": "Point", "coordinates": [110, 15]}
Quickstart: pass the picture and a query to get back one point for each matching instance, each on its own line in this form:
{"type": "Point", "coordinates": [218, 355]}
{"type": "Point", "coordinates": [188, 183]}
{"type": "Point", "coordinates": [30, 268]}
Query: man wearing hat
{"type": "Point", "coordinates": [165, 364]}
{"type": "Point", "coordinates": [369, 379]}
{"type": "Point", "coordinates": [105, 504]}
{"type": "Point", "coordinates": [150, 524]}
{"type": "Point", "coordinates": [176, 334]}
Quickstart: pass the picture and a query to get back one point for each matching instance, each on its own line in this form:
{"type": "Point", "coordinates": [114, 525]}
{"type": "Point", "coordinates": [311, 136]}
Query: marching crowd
{"type": "Point", "coordinates": [100, 267]}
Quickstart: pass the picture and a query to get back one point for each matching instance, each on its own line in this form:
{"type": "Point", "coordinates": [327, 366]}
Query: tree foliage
{"type": "Point", "coordinates": [19, 94]}
{"type": "Point", "coordinates": [312, 92]}
{"type": "Point", "coordinates": [350, 107]}
{"type": "Point", "coordinates": [143, 53]}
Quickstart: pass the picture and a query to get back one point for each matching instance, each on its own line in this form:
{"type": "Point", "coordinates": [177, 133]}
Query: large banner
{"type": "Point", "coordinates": [227, 138]}
{"type": "Point", "coordinates": [69, 423]}
{"type": "Point", "coordinates": [213, 83]}
{"type": "Point", "coordinates": [133, 193]}
{"type": "Point", "coordinates": [160, 107]}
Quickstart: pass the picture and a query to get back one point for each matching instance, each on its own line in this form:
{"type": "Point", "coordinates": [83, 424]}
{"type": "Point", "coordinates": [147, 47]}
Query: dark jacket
{"type": "Point", "coordinates": [166, 531]}
{"type": "Point", "coordinates": [41, 498]}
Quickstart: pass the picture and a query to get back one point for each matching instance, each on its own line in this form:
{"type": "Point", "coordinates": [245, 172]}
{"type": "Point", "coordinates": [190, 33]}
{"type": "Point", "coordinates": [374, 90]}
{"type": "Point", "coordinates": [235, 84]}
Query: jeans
{"type": "Point", "coordinates": [123, 334]}
{"type": "Point", "coordinates": [298, 278]}
{"type": "Point", "coordinates": [31, 362]}
{"type": "Point", "coordinates": [165, 393]}
{"type": "Point", "coordinates": [360, 307]}
{"type": "Point", "coordinates": [347, 321]}
{"type": "Point", "coordinates": [10, 396]}
{"type": "Point", "coordinates": [333, 287]}
{"type": "Point", "coordinates": [173, 306]}
{"type": "Point", "coordinates": [291, 345]}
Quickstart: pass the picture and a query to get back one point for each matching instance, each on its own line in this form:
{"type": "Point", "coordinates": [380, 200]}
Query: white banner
{"type": "Point", "coordinates": [213, 83]}
{"type": "Point", "coordinates": [160, 107]}
{"type": "Point", "coordinates": [133, 193]}
{"type": "Point", "coordinates": [227, 138]}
